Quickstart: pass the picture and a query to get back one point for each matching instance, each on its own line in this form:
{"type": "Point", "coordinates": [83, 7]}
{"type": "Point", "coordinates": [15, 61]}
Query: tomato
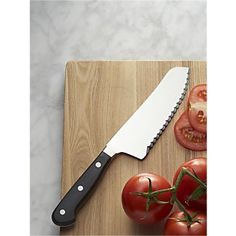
{"type": "Point", "coordinates": [197, 166]}
{"type": "Point", "coordinates": [198, 93]}
{"type": "Point", "coordinates": [176, 225]}
{"type": "Point", "coordinates": [197, 108]}
{"type": "Point", "coordinates": [187, 136]}
{"type": "Point", "coordinates": [135, 206]}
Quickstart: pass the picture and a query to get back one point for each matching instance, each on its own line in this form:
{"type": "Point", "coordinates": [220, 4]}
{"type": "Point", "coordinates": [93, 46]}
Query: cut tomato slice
{"type": "Point", "coordinates": [197, 108]}
{"type": "Point", "coordinates": [187, 136]}
{"type": "Point", "coordinates": [198, 93]}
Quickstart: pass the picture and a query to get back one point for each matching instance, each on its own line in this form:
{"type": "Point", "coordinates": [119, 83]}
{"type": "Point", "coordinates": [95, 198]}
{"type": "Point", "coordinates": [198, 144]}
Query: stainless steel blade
{"type": "Point", "coordinates": [137, 136]}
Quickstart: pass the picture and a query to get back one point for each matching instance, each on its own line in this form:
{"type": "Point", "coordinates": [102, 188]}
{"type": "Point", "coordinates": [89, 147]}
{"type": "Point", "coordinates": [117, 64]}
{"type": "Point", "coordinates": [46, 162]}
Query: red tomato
{"type": "Point", "coordinates": [135, 206]}
{"type": "Point", "coordinates": [174, 225]}
{"type": "Point", "coordinates": [187, 136]}
{"type": "Point", "coordinates": [197, 108]}
{"type": "Point", "coordinates": [197, 166]}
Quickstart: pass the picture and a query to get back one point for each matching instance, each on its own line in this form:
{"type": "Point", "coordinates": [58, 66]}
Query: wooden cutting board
{"type": "Point", "coordinates": [99, 97]}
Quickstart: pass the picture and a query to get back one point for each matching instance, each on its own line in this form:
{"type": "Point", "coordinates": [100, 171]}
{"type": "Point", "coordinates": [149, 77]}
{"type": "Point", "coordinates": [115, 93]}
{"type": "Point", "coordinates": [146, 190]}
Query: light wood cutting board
{"type": "Point", "coordinates": [99, 97]}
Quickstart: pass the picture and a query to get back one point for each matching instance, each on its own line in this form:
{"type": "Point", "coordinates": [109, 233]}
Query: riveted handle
{"type": "Point", "coordinates": [65, 212]}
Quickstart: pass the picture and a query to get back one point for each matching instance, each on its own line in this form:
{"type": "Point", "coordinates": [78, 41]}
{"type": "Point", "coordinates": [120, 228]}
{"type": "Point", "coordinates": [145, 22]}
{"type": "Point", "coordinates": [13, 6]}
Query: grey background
{"type": "Point", "coordinates": [93, 30]}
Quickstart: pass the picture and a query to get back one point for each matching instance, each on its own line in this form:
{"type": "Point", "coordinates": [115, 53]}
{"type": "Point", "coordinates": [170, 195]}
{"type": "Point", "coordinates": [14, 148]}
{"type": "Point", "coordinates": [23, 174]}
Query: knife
{"type": "Point", "coordinates": [135, 138]}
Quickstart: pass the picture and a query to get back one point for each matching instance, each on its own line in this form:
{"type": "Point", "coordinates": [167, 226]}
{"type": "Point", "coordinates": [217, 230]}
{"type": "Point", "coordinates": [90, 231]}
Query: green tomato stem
{"type": "Point", "coordinates": [151, 196]}
{"type": "Point", "coordinates": [179, 178]}
{"type": "Point", "coordinates": [184, 171]}
{"type": "Point", "coordinates": [182, 208]}
{"type": "Point", "coordinates": [155, 193]}
{"type": "Point", "coordinates": [189, 173]}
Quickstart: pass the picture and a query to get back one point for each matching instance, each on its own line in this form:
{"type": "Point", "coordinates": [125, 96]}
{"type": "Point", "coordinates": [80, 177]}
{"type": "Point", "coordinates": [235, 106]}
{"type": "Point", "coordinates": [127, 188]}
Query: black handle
{"type": "Point", "coordinates": [65, 212]}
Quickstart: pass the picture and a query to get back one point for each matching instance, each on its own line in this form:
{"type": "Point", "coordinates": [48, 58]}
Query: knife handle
{"type": "Point", "coordinates": [65, 212]}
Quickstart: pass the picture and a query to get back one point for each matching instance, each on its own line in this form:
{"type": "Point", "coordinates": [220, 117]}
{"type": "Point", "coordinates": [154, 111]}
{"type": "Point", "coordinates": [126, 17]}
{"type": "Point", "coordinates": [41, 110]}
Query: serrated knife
{"type": "Point", "coordinates": [135, 138]}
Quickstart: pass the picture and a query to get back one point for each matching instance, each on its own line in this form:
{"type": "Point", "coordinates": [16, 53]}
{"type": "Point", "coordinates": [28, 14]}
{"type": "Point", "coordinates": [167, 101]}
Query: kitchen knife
{"type": "Point", "coordinates": [135, 138]}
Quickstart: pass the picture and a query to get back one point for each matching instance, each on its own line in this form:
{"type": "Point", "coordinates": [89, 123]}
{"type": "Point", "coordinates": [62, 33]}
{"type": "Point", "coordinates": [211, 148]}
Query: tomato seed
{"type": "Point", "coordinates": [200, 113]}
{"type": "Point", "coordinates": [203, 94]}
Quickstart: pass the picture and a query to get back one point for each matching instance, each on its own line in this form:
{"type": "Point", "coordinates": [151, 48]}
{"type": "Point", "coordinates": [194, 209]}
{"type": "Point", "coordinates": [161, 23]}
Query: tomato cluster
{"type": "Point", "coordinates": [148, 198]}
{"type": "Point", "coordinates": [191, 128]}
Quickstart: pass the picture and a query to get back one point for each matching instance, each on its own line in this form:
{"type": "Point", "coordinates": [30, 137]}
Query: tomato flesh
{"type": "Point", "coordinates": [187, 136]}
{"type": "Point", "coordinates": [174, 226]}
{"type": "Point", "coordinates": [135, 206]}
{"type": "Point", "coordinates": [197, 108]}
{"type": "Point", "coordinates": [197, 166]}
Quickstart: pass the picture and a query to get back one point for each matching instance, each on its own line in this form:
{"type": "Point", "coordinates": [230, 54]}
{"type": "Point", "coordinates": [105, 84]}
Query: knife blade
{"type": "Point", "coordinates": [135, 138]}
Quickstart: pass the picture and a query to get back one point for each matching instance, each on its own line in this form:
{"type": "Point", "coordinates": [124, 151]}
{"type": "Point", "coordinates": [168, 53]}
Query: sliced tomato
{"type": "Point", "coordinates": [197, 108]}
{"type": "Point", "coordinates": [198, 93]}
{"type": "Point", "coordinates": [187, 136]}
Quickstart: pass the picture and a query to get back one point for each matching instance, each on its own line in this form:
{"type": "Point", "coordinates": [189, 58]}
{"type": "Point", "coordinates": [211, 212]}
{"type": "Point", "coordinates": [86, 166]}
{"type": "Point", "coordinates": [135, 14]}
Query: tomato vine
{"type": "Point", "coordinates": [152, 196]}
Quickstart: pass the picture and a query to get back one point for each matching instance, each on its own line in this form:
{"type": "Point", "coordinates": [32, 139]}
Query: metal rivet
{"type": "Point", "coordinates": [80, 188]}
{"type": "Point", "coordinates": [98, 164]}
{"type": "Point", "coordinates": [62, 212]}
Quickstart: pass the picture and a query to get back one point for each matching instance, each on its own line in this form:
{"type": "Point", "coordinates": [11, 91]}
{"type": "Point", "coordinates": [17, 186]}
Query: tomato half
{"type": "Point", "coordinates": [197, 166]}
{"type": "Point", "coordinates": [175, 225]}
{"type": "Point", "coordinates": [197, 108]}
{"type": "Point", "coordinates": [135, 206]}
{"type": "Point", "coordinates": [187, 136]}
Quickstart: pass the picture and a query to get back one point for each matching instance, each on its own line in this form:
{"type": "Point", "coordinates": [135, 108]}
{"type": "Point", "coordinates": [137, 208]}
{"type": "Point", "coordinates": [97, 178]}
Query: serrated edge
{"type": "Point", "coordinates": [168, 120]}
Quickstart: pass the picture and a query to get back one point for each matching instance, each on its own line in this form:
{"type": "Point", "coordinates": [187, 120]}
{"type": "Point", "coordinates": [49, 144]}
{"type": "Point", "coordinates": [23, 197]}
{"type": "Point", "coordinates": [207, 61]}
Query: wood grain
{"type": "Point", "coordinates": [99, 97]}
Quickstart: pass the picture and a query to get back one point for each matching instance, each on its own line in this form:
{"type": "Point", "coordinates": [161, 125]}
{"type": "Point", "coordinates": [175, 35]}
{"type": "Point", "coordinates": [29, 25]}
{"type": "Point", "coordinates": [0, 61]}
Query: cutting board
{"type": "Point", "coordinates": [100, 96]}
